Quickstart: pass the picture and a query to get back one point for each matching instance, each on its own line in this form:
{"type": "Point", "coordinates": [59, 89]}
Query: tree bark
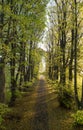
{"type": "Point", "coordinates": [13, 80]}
{"type": "Point", "coordinates": [71, 57]}
{"type": "Point", "coordinates": [29, 70]}
{"type": "Point", "coordinates": [2, 81]}
{"type": "Point", "coordinates": [2, 64]}
{"type": "Point", "coordinates": [75, 56]}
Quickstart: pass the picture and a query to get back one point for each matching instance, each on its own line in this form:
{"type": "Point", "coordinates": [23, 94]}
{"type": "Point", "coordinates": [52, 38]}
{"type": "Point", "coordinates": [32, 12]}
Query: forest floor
{"type": "Point", "coordinates": [39, 109]}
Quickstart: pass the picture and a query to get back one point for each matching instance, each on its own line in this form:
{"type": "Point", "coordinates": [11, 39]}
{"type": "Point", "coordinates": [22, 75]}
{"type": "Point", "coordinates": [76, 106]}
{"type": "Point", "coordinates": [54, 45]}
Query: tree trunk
{"type": "Point", "coordinates": [22, 63]}
{"type": "Point", "coordinates": [2, 81]}
{"type": "Point", "coordinates": [29, 70]}
{"type": "Point", "coordinates": [55, 72]}
{"type": "Point", "coordinates": [82, 96]}
{"type": "Point", "coordinates": [75, 57]}
{"type": "Point", "coordinates": [63, 45]}
{"type": "Point", "coordinates": [13, 80]}
{"type": "Point", "coordinates": [71, 57]}
{"type": "Point", "coordinates": [2, 64]}
{"type": "Point", "coordinates": [13, 65]}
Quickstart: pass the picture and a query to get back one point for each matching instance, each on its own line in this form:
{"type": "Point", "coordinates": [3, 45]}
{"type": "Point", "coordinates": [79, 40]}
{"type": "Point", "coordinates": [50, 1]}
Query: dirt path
{"type": "Point", "coordinates": [30, 112]}
{"type": "Point", "coordinates": [39, 109]}
{"type": "Point", "coordinates": [40, 121]}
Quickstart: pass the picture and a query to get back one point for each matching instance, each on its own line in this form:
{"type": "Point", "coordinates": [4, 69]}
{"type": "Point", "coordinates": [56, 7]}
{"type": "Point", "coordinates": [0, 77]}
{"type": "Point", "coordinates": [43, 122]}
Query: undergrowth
{"type": "Point", "coordinates": [3, 111]}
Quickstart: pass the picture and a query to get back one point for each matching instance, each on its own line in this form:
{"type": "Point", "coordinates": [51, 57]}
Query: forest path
{"type": "Point", "coordinates": [40, 120]}
{"type": "Point", "coordinates": [39, 109]}
{"type": "Point", "coordinates": [30, 111]}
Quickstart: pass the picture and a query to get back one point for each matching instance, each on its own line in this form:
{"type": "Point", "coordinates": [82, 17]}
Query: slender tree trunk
{"type": "Point", "coordinates": [29, 70]}
{"type": "Point", "coordinates": [2, 81]}
{"type": "Point", "coordinates": [13, 80]}
{"type": "Point", "coordinates": [63, 45]}
{"type": "Point", "coordinates": [55, 72]}
{"type": "Point", "coordinates": [71, 57]}
{"type": "Point", "coordinates": [82, 96]}
{"type": "Point", "coordinates": [22, 63]}
{"type": "Point", "coordinates": [2, 64]}
{"type": "Point", "coordinates": [13, 65]}
{"type": "Point", "coordinates": [75, 56]}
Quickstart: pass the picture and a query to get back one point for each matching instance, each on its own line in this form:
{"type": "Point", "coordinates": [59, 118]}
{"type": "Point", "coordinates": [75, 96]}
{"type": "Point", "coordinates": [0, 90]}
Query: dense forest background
{"type": "Point", "coordinates": [65, 46]}
{"type": "Point", "coordinates": [21, 28]}
{"type": "Point", "coordinates": [24, 27]}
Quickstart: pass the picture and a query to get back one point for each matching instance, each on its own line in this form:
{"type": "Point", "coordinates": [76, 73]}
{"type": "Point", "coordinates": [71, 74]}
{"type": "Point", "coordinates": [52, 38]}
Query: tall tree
{"type": "Point", "coordinates": [2, 64]}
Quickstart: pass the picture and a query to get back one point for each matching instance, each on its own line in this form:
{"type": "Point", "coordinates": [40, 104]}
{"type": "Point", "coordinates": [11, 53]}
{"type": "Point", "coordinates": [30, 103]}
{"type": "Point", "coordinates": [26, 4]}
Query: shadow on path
{"type": "Point", "coordinates": [40, 121]}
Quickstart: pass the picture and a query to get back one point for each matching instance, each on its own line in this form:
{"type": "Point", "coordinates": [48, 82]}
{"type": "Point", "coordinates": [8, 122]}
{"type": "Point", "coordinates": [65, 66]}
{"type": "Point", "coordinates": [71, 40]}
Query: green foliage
{"type": "Point", "coordinates": [78, 118]}
{"type": "Point", "coordinates": [7, 95]}
{"type": "Point", "coordinates": [65, 94]}
{"type": "Point", "coordinates": [22, 22]}
{"type": "Point", "coordinates": [1, 119]}
{"type": "Point", "coordinates": [53, 83]}
{"type": "Point", "coordinates": [3, 111]}
{"type": "Point", "coordinates": [18, 94]}
{"type": "Point", "coordinates": [65, 97]}
{"type": "Point", "coordinates": [28, 84]}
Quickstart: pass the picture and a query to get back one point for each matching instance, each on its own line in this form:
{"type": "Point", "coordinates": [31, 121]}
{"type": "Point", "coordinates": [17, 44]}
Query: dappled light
{"type": "Point", "coordinates": [41, 64]}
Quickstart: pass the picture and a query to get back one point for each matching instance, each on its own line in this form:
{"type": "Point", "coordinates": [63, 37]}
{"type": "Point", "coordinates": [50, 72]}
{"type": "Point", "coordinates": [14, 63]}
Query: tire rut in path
{"type": "Point", "coordinates": [40, 121]}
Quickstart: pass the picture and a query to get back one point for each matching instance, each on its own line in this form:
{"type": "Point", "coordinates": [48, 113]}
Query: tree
{"type": "Point", "coordinates": [22, 25]}
{"type": "Point", "coordinates": [66, 24]}
{"type": "Point", "coordinates": [2, 77]}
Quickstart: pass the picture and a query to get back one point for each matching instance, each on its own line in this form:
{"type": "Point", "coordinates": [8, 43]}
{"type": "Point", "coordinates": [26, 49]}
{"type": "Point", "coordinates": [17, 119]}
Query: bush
{"type": "Point", "coordinates": [28, 84]}
{"type": "Point", "coordinates": [53, 84]}
{"type": "Point", "coordinates": [25, 87]}
{"type": "Point", "coordinates": [78, 118]}
{"type": "Point", "coordinates": [18, 94]}
{"type": "Point", "coordinates": [65, 98]}
{"type": "Point", "coordinates": [3, 111]}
